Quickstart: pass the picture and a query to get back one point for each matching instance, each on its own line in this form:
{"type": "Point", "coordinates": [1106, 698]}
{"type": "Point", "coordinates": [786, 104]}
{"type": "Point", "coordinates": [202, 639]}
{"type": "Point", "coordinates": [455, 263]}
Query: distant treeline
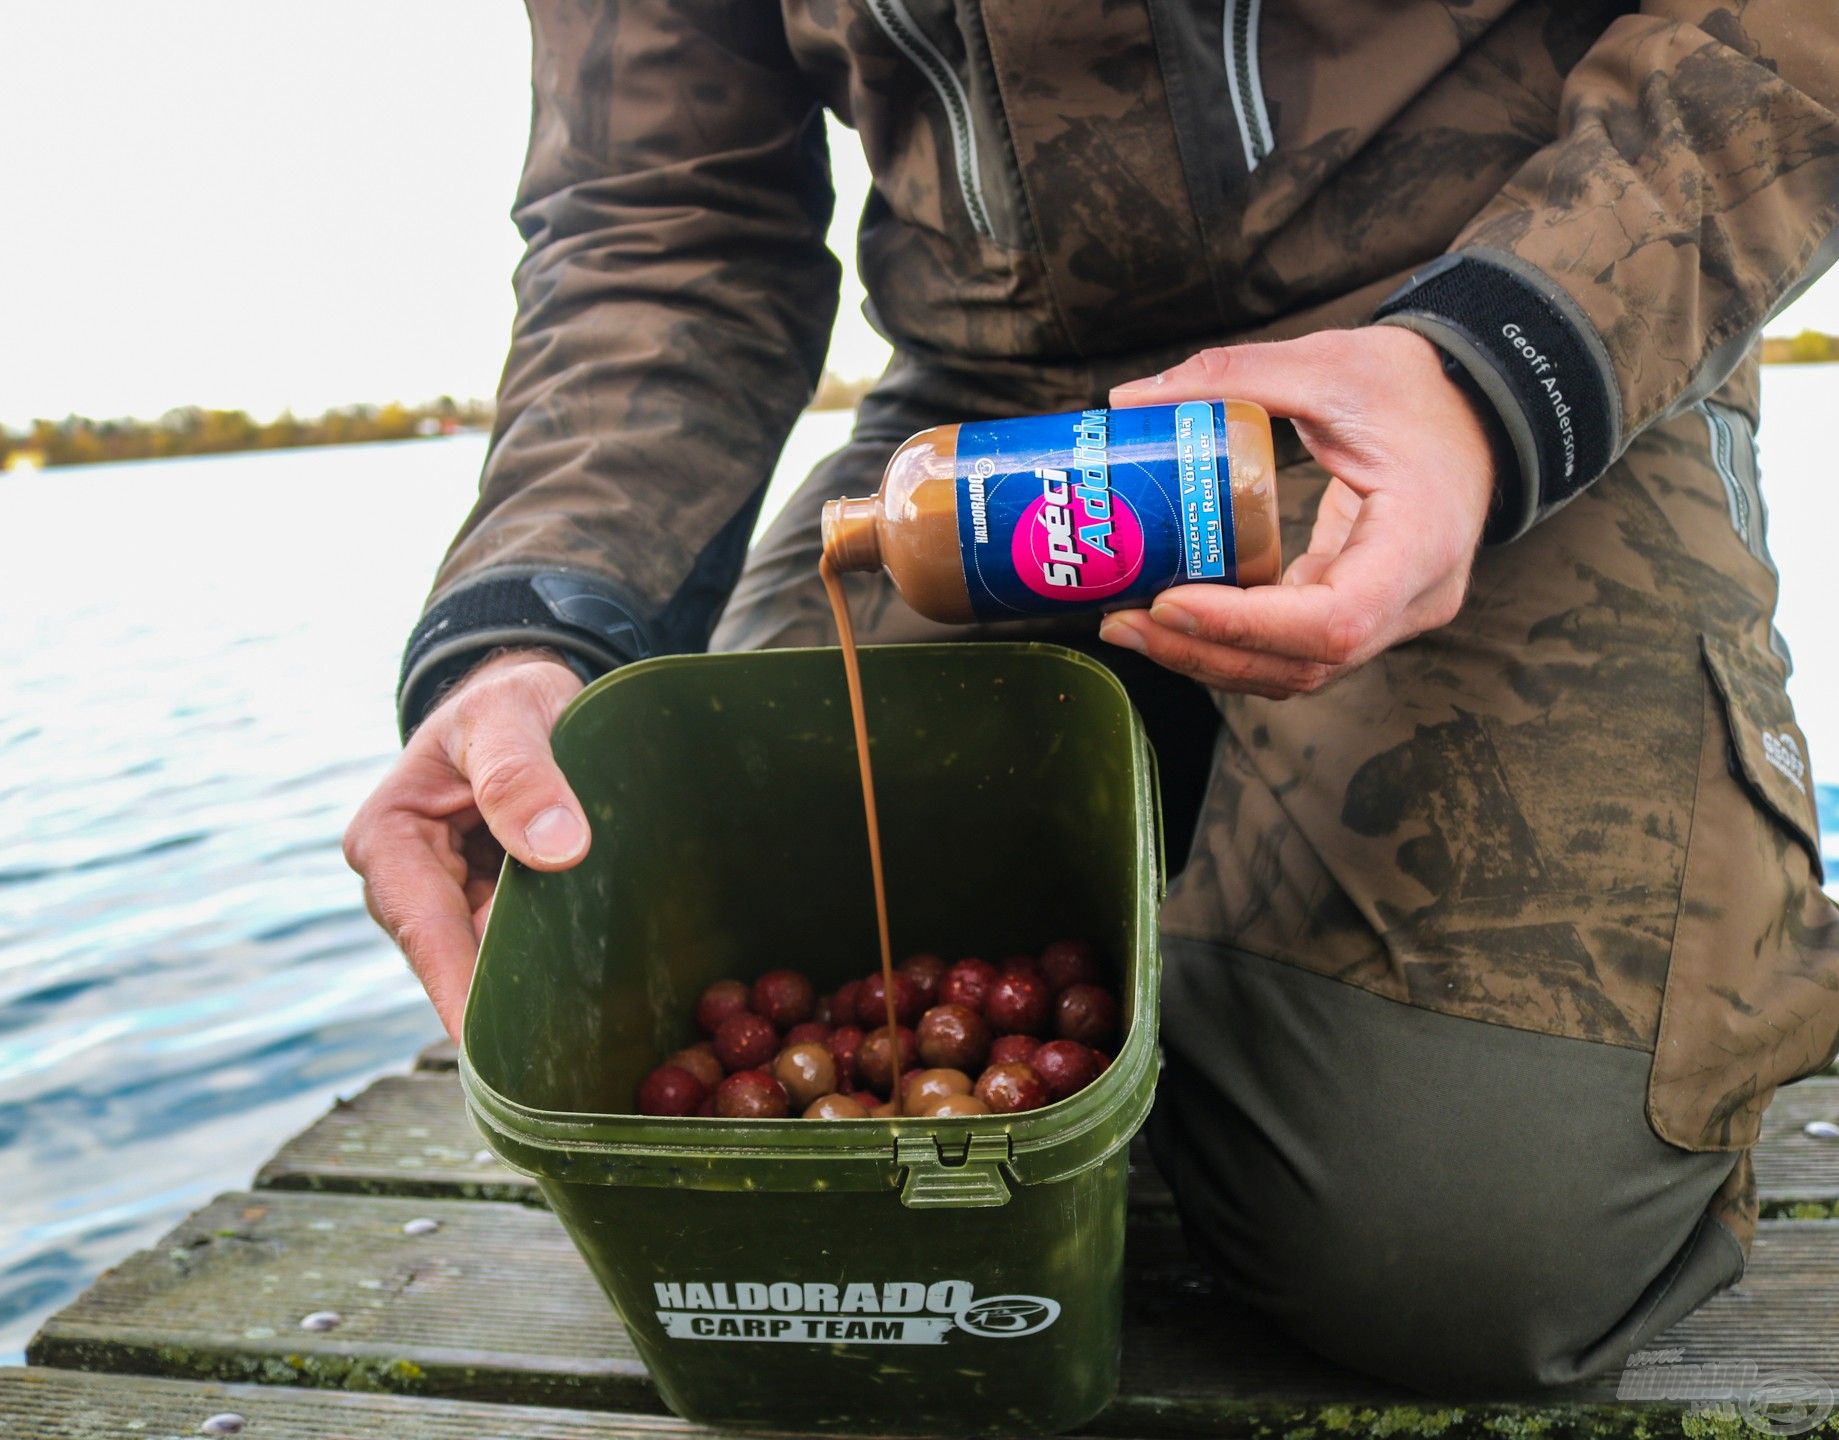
{"type": "Point", "coordinates": [1810, 347]}
{"type": "Point", "coordinates": [836, 393]}
{"type": "Point", "coordinates": [191, 430]}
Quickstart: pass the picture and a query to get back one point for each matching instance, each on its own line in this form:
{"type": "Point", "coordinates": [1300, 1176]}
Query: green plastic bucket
{"type": "Point", "coordinates": [957, 1276]}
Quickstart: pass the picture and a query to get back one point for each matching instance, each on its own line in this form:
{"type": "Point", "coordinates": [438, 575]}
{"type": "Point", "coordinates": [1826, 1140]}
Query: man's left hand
{"type": "Point", "coordinates": [1395, 533]}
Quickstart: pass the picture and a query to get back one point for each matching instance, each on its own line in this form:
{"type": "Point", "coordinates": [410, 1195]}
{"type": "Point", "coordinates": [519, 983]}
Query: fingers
{"type": "Point", "coordinates": [1307, 568]}
{"type": "Point", "coordinates": [495, 733]}
{"type": "Point", "coordinates": [1316, 622]}
{"type": "Point", "coordinates": [1301, 379]}
{"type": "Point", "coordinates": [483, 754]}
{"type": "Point", "coordinates": [1335, 514]}
{"type": "Point", "coordinates": [1224, 667]}
{"type": "Point", "coordinates": [1333, 613]}
{"type": "Point", "coordinates": [410, 888]}
{"type": "Point", "coordinates": [1395, 532]}
{"type": "Point", "coordinates": [482, 911]}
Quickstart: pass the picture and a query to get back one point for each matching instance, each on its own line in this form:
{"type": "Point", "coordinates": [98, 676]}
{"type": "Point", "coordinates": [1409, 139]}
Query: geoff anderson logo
{"type": "Point", "coordinates": [897, 1312]}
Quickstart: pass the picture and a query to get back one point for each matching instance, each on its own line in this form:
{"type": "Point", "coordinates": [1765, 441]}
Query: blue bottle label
{"type": "Point", "coordinates": [1093, 508]}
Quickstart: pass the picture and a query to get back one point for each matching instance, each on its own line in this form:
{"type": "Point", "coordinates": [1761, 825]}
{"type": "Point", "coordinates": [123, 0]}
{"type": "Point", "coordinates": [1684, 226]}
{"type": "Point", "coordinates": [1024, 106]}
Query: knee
{"type": "Point", "coordinates": [1460, 1237]}
{"type": "Point", "coordinates": [1451, 1295]}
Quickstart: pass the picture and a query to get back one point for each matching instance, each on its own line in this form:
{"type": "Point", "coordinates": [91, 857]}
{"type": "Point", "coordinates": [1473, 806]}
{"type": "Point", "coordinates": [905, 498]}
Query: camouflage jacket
{"type": "Point", "coordinates": [1591, 207]}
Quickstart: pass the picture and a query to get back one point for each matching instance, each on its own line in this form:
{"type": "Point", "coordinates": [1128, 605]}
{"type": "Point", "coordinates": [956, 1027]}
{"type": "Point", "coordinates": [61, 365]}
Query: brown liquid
{"type": "Point", "coordinates": [852, 670]}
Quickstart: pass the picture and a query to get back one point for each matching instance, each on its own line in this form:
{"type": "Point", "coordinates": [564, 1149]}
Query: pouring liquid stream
{"type": "Point", "coordinates": [852, 670]}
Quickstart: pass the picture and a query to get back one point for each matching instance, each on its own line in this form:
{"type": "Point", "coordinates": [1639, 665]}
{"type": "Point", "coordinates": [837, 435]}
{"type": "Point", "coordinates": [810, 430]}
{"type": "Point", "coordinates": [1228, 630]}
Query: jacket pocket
{"type": "Point", "coordinates": [1752, 990]}
{"type": "Point", "coordinates": [1211, 54]}
{"type": "Point", "coordinates": [1768, 750]}
{"type": "Point", "coordinates": [950, 52]}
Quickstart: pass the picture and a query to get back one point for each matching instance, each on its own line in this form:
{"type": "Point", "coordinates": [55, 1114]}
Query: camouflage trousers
{"type": "Point", "coordinates": [1484, 961]}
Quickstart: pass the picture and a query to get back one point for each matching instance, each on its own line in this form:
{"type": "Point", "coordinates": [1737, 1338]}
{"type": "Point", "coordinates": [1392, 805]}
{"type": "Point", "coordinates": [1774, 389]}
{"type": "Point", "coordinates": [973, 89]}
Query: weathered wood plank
{"type": "Point", "coordinates": [404, 1135]}
{"type": "Point", "coordinates": [409, 1135]}
{"type": "Point", "coordinates": [72, 1405]}
{"type": "Point", "coordinates": [496, 1305]}
{"type": "Point", "coordinates": [69, 1405]}
{"type": "Point", "coordinates": [1797, 1175]}
{"type": "Point", "coordinates": [1194, 1362]}
{"type": "Point", "coordinates": [441, 1055]}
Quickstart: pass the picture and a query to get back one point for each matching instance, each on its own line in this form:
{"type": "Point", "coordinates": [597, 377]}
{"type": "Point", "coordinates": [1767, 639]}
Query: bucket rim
{"type": "Point", "coordinates": [1047, 649]}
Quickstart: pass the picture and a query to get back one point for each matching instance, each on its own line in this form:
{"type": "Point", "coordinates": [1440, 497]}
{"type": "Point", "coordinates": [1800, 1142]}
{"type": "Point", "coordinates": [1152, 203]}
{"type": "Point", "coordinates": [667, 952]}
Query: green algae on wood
{"type": "Point", "coordinates": [496, 1305]}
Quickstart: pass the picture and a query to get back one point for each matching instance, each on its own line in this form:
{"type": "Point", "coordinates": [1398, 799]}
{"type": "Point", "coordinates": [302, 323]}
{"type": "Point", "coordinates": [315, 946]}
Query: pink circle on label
{"type": "Point", "coordinates": [1066, 549]}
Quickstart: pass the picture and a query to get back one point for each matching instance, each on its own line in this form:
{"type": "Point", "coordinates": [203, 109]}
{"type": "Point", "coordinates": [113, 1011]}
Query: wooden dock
{"type": "Point", "coordinates": [486, 1323]}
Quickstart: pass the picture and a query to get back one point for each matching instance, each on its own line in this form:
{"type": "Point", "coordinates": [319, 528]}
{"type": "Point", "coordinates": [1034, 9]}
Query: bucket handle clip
{"type": "Point", "coordinates": [935, 1183]}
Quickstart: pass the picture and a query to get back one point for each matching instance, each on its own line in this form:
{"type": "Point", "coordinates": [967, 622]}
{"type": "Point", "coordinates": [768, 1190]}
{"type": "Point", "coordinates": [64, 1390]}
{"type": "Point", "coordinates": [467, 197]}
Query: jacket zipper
{"type": "Point", "coordinates": [1746, 507]}
{"type": "Point", "coordinates": [1723, 459]}
{"type": "Point", "coordinates": [1240, 26]}
{"type": "Point", "coordinates": [894, 18]}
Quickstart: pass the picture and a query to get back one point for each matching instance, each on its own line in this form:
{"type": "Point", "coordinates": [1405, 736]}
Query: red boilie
{"type": "Point", "coordinates": [972, 1039]}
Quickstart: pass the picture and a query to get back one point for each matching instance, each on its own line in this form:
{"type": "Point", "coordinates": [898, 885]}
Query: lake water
{"type": "Point", "coordinates": [199, 660]}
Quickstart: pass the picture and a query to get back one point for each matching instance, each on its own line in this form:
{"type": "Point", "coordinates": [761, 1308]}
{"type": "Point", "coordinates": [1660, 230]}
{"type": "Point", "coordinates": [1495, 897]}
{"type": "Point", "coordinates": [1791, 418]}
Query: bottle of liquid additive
{"type": "Point", "coordinates": [1095, 509]}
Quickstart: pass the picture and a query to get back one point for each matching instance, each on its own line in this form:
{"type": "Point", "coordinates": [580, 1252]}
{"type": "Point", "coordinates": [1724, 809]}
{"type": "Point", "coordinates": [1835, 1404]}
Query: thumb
{"type": "Point", "coordinates": [1286, 377]}
{"type": "Point", "coordinates": [519, 789]}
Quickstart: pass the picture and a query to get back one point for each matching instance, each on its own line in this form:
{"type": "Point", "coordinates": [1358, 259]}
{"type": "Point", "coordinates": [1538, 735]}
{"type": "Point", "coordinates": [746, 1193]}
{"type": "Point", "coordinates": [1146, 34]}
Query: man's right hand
{"type": "Point", "coordinates": [476, 781]}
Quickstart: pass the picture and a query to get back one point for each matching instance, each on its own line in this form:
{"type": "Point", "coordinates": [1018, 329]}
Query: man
{"type": "Point", "coordinates": [1495, 941]}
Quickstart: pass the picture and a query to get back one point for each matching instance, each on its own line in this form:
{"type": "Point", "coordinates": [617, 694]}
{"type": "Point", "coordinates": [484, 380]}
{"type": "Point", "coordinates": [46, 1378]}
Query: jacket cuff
{"type": "Point", "coordinates": [1535, 359]}
{"type": "Point", "coordinates": [569, 611]}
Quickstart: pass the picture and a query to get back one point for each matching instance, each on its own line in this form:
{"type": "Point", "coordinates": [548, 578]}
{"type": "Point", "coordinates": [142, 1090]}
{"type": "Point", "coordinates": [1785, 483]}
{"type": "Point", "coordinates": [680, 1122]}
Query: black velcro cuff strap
{"type": "Point", "coordinates": [573, 613]}
{"type": "Point", "coordinates": [1538, 359]}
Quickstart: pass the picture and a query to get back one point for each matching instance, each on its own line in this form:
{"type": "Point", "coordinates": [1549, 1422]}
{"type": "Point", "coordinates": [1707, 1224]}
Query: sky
{"type": "Point", "coordinates": [257, 206]}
